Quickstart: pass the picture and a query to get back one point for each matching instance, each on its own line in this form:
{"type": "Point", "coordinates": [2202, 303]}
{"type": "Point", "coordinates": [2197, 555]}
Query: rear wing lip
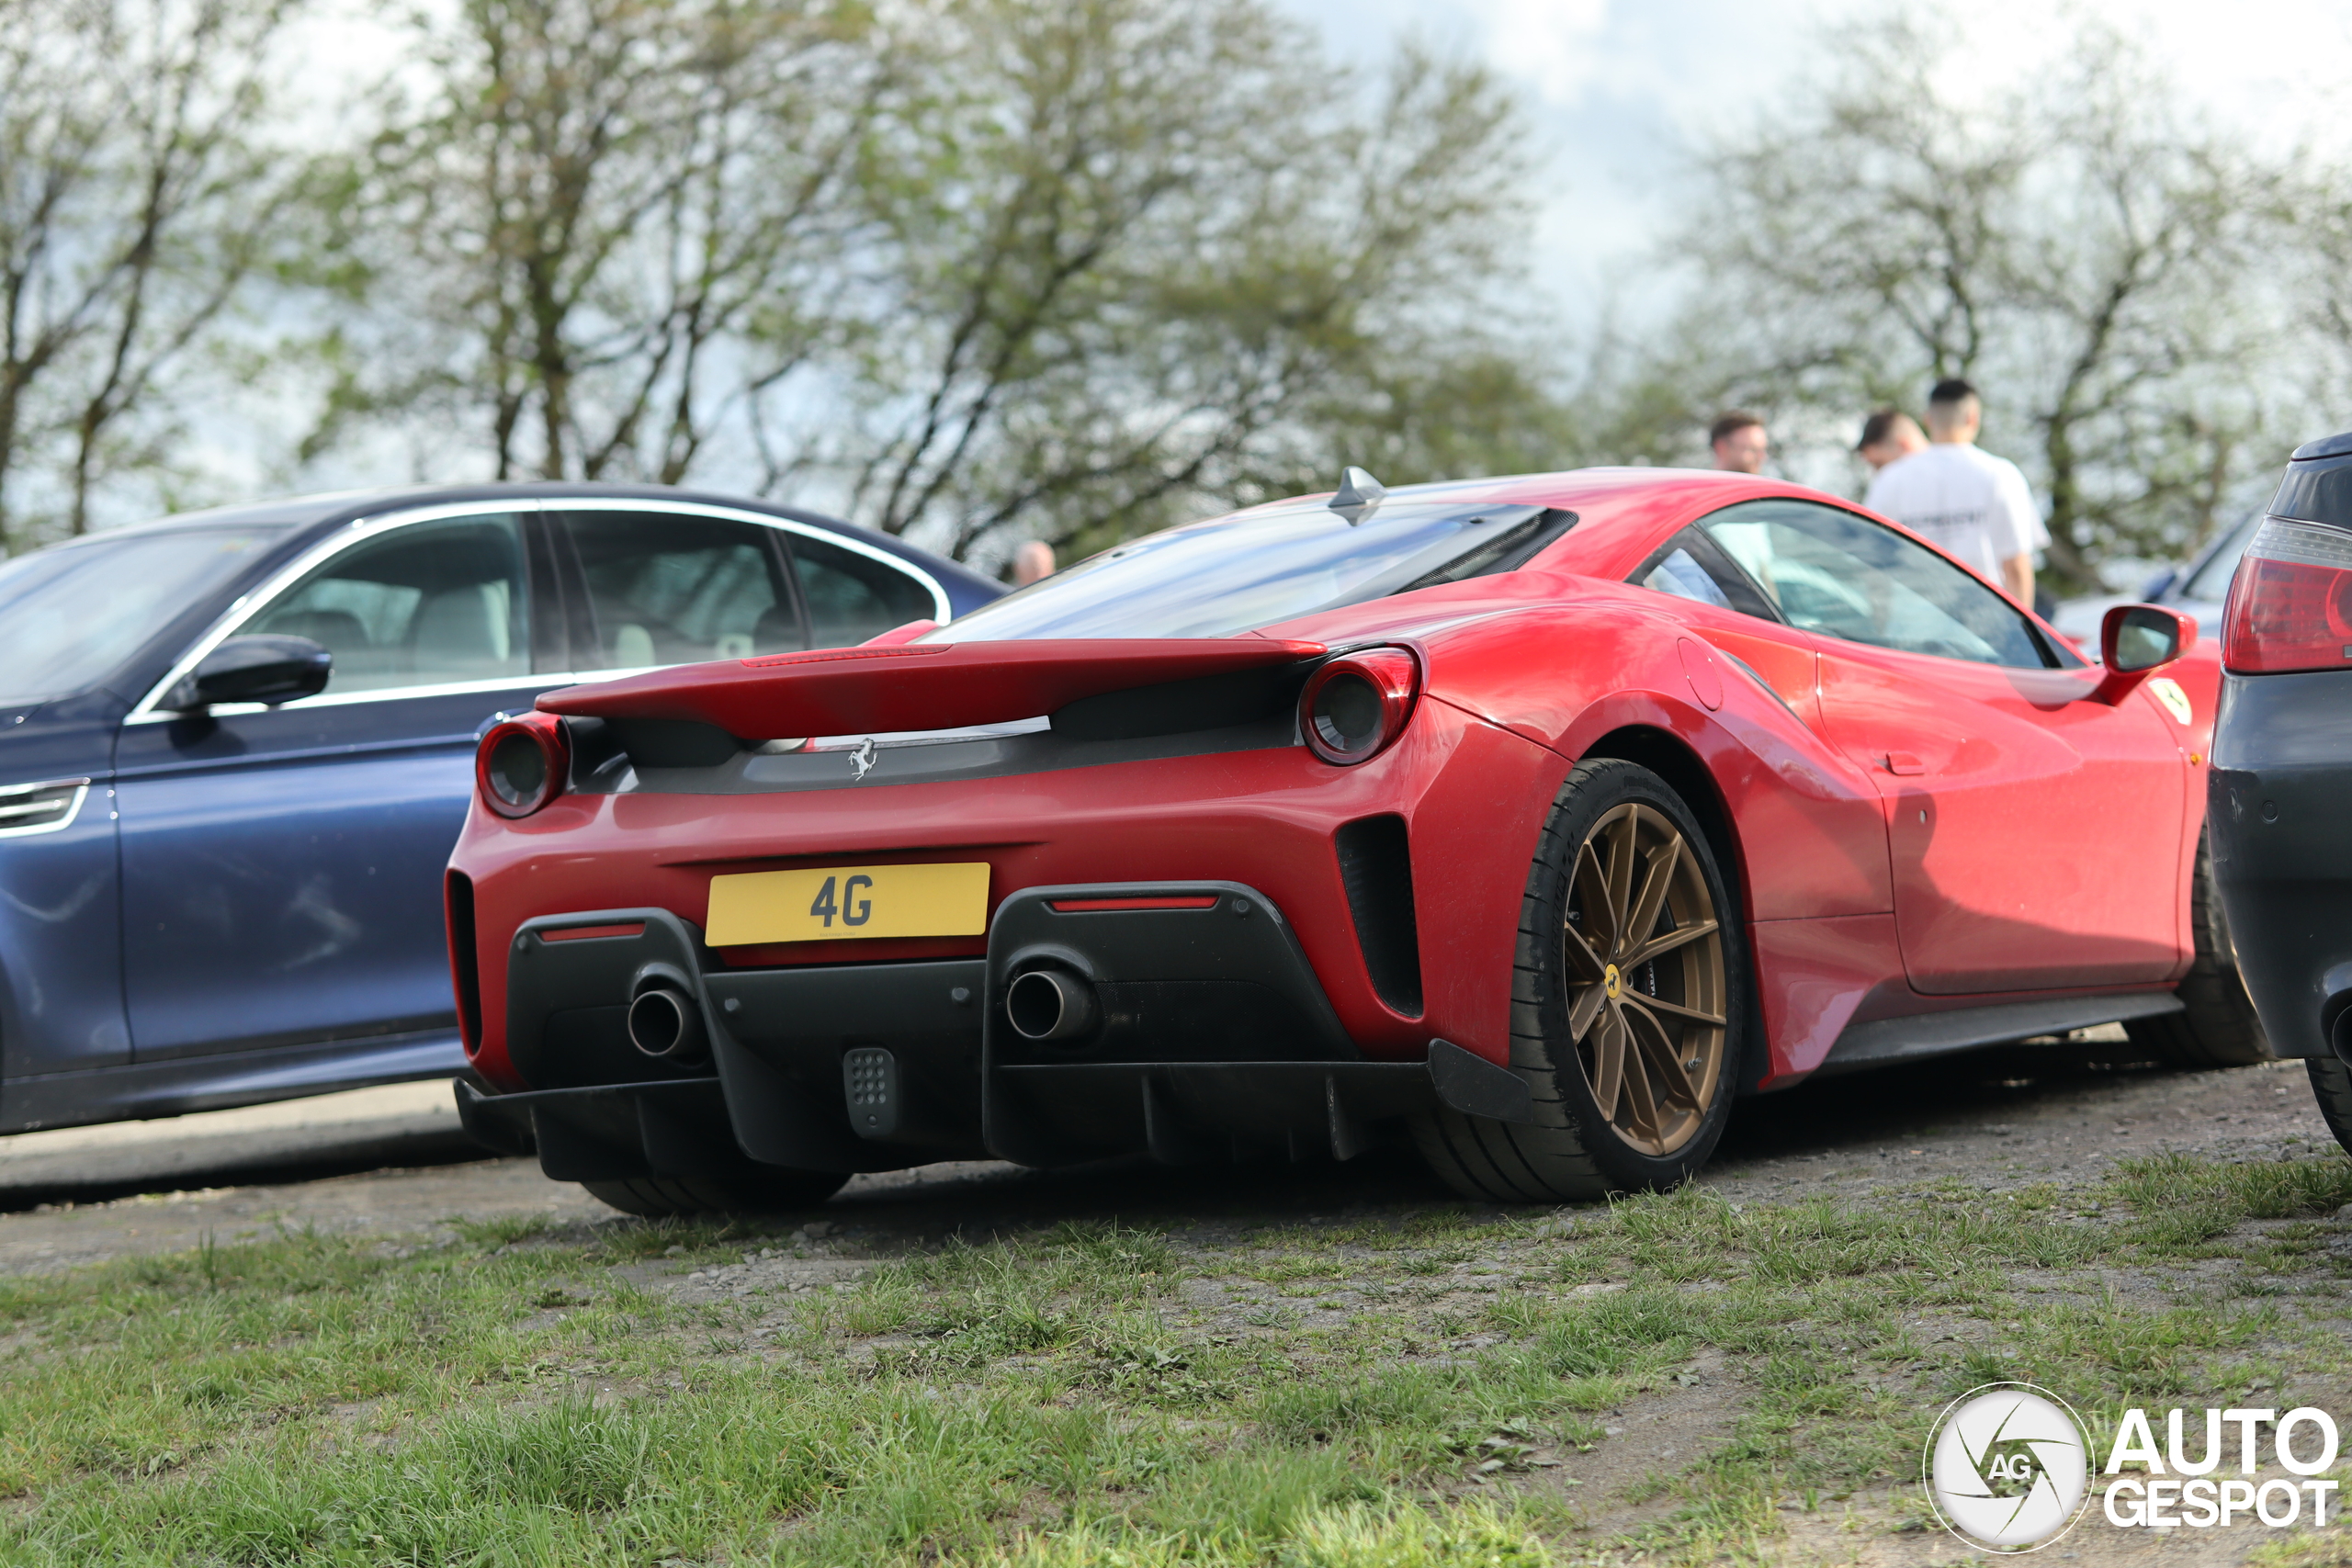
{"type": "Point", "coordinates": [921, 686]}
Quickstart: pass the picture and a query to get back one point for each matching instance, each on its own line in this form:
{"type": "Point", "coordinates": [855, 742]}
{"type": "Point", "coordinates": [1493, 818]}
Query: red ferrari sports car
{"type": "Point", "coordinates": [1536, 819]}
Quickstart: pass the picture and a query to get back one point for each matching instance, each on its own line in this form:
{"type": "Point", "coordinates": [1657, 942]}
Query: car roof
{"type": "Point", "coordinates": [1619, 509]}
{"type": "Point", "coordinates": [314, 513]}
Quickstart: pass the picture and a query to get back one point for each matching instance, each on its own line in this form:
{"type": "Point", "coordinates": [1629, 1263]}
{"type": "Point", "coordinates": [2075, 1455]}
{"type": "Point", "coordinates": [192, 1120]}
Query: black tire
{"type": "Point", "coordinates": [1576, 1148]}
{"type": "Point", "coordinates": [2218, 1027]}
{"type": "Point", "coordinates": [658, 1197]}
{"type": "Point", "coordinates": [2331, 1087]}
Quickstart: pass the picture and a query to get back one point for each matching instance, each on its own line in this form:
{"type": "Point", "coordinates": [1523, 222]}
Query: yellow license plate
{"type": "Point", "coordinates": [841, 901]}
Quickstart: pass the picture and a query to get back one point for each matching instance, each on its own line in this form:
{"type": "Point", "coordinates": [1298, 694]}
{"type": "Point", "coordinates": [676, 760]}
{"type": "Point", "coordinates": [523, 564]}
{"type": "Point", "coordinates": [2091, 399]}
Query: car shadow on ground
{"type": "Point", "coordinates": [1864, 1113]}
{"type": "Point", "coordinates": [123, 1178]}
{"type": "Point", "coordinates": [1822, 1119]}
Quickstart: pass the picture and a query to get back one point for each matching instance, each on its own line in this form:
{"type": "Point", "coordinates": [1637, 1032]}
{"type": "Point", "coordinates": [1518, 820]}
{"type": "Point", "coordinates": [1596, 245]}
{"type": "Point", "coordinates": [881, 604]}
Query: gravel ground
{"type": "Point", "coordinates": [1995, 1120]}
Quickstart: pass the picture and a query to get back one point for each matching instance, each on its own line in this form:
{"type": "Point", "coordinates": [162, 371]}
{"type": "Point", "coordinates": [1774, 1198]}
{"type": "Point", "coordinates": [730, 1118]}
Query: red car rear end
{"type": "Point", "coordinates": [1471, 813]}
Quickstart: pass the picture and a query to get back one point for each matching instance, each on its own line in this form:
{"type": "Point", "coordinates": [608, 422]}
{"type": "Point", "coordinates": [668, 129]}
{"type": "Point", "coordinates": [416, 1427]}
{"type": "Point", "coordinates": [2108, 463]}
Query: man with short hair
{"type": "Point", "coordinates": [1739, 443]}
{"type": "Point", "coordinates": [1887, 434]}
{"type": "Point", "coordinates": [1973, 505]}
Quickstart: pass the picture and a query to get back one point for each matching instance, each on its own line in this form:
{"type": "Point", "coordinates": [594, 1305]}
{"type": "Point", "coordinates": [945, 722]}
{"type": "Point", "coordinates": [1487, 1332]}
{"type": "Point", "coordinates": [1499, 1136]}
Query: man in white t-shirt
{"type": "Point", "coordinates": [1973, 505]}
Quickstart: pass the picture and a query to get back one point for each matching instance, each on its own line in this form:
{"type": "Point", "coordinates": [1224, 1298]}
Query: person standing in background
{"type": "Point", "coordinates": [1889, 435]}
{"type": "Point", "coordinates": [1033, 562]}
{"type": "Point", "coordinates": [1970, 504]}
{"type": "Point", "coordinates": [1739, 443]}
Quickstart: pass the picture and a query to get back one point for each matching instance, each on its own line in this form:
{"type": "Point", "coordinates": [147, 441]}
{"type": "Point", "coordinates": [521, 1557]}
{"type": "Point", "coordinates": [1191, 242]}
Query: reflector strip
{"type": "Point", "coordinates": [582, 933]}
{"type": "Point", "coordinates": [2307, 544]}
{"type": "Point", "coordinates": [1093, 905]}
{"type": "Point", "coordinates": [836, 656]}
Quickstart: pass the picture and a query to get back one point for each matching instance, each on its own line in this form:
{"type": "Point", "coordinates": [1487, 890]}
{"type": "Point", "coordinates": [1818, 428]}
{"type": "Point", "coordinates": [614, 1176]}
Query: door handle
{"type": "Point", "coordinates": [1904, 762]}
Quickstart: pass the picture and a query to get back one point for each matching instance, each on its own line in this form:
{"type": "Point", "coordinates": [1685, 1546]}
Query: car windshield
{"type": "Point", "coordinates": [1256, 569]}
{"type": "Point", "coordinates": [69, 615]}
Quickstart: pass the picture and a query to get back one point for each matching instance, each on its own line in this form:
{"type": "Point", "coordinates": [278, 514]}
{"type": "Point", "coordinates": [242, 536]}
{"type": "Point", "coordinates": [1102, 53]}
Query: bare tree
{"type": "Point", "coordinates": [136, 201]}
{"type": "Point", "coordinates": [1143, 253]}
{"type": "Point", "coordinates": [597, 201]}
{"type": "Point", "coordinates": [2080, 245]}
{"type": "Point", "coordinates": [2151, 297]}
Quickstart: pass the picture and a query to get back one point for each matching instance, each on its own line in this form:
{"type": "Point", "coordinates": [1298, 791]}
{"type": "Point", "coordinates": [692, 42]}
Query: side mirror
{"type": "Point", "coordinates": [2136, 639]}
{"type": "Point", "coordinates": [252, 670]}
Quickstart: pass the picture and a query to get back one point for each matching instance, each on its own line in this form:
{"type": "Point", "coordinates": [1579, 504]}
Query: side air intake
{"type": "Point", "coordinates": [465, 968]}
{"type": "Point", "coordinates": [1376, 866]}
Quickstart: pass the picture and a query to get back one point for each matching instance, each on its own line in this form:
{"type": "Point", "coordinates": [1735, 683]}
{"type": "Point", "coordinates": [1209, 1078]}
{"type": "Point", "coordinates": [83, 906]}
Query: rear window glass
{"type": "Point", "coordinates": [1256, 569]}
{"type": "Point", "coordinates": [2316, 491]}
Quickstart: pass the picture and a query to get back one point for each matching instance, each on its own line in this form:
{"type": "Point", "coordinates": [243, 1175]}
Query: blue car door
{"type": "Point", "coordinates": [281, 867]}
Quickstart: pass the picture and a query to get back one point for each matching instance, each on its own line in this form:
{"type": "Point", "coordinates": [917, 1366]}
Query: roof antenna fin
{"type": "Point", "coordinates": [1358, 493]}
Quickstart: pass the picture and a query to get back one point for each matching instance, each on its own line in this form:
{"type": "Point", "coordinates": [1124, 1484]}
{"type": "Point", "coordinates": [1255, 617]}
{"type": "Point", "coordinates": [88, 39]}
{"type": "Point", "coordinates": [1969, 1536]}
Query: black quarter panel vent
{"type": "Point", "coordinates": [1376, 866]}
{"type": "Point", "coordinates": [457, 891]}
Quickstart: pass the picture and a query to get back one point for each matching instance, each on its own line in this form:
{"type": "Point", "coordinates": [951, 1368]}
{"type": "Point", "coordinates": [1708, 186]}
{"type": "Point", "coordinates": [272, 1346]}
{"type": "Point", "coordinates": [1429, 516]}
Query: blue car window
{"type": "Point", "coordinates": [422, 605]}
{"type": "Point", "coordinates": [852, 597]}
{"type": "Point", "coordinates": [672, 588]}
{"type": "Point", "coordinates": [71, 614]}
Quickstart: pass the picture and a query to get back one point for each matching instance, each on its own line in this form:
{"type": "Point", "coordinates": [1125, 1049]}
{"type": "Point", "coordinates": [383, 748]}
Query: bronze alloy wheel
{"type": "Point", "coordinates": [1644, 952]}
{"type": "Point", "coordinates": [1628, 1005]}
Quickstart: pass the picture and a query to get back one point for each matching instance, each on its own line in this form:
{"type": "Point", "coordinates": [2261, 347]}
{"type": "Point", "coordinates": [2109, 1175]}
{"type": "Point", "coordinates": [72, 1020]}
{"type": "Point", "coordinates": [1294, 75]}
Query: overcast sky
{"type": "Point", "coordinates": [1616, 85]}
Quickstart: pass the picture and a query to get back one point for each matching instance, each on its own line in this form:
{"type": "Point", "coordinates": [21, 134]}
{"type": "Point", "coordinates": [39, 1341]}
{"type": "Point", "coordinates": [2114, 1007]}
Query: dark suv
{"type": "Point", "coordinates": [2280, 810]}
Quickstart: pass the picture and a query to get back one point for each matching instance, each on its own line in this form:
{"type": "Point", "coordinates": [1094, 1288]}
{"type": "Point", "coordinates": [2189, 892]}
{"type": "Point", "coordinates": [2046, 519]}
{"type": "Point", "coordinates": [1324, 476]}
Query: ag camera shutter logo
{"type": "Point", "coordinates": [2007, 1468]}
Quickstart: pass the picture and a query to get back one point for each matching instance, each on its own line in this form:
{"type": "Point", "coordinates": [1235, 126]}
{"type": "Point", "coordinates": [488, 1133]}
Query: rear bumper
{"type": "Point", "coordinates": [1400, 956]}
{"type": "Point", "coordinates": [2281, 834]}
{"type": "Point", "coordinates": [1213, 1039]}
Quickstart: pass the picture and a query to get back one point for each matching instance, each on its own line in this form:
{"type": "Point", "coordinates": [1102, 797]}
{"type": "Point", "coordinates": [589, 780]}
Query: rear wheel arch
{"type": "Point", "coordinates": [1671, 759]}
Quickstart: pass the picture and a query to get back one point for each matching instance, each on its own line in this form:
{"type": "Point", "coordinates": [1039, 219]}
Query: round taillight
{"type": "Point", "coordinates": [1355, 707]}
{"type": "Point", "coordinates": [521, 764]}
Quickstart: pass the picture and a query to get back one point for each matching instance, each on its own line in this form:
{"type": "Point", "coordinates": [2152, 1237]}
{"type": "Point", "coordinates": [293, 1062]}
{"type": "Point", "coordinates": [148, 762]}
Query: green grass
{"type": "Point", "coordinates": [503, 1395]}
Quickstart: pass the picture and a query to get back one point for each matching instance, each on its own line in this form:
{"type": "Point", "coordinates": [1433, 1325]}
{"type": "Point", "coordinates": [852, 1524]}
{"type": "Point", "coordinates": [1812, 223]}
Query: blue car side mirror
{"type": "Point", "coordinates": [257, 668]}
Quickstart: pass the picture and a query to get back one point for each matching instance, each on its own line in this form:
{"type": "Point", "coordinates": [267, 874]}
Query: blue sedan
{"type": "Point", "coordinates": [236, 747]}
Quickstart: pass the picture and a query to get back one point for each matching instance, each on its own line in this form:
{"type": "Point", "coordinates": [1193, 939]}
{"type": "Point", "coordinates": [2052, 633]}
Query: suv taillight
{"type": "Point", "coordinates": [1355, 707]}
{"type": "Point", "coordinates": [2290, 602]}
{"type": "Point", "coordinates": [522, 763]}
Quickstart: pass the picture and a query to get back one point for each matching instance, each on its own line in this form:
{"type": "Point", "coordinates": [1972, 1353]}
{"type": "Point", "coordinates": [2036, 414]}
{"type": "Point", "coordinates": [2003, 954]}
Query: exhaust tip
{"type": "Point", "coordinates": [1045, 1004]}
{"type": "Point", "coordinates": [666, 1025]}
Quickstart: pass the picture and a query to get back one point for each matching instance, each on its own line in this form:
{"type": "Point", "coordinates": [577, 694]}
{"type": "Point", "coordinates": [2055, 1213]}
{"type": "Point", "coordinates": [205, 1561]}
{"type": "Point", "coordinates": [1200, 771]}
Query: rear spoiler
{"type": "Point", "coordinates": [856, 691]}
